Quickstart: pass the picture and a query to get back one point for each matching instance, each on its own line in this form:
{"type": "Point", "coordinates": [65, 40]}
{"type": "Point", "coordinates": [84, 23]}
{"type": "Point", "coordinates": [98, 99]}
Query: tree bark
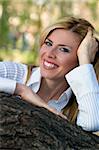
{"type": "Point", "coordinates": [27, 127]}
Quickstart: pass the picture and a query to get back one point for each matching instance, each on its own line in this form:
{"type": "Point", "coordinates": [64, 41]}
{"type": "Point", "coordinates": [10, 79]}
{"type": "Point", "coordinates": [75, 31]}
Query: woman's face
{"type": "Point", "coordinates": [58, 54]}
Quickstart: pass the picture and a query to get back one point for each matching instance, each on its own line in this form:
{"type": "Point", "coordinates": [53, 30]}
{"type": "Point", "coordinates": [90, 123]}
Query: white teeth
{"type": "Point", "coordinates": [49, 64]}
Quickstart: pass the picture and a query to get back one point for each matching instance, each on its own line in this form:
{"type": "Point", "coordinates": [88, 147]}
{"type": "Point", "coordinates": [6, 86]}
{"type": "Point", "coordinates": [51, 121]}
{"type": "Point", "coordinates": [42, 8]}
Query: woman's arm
{"type": "Point", "coordinates": [7, 85]}
{"type": "Point", "coordinates": [14, 71]}
{"type": "Point", "coordinates": [85, 86]}
{"type": "Point", "coordinates": [12, 78]}
{"type": "Point", "coordinates": [28, 95]}
{"type": "Point", "coordinates": [10, 73]}
{"type": "Point", "coordinates": [87, 49]}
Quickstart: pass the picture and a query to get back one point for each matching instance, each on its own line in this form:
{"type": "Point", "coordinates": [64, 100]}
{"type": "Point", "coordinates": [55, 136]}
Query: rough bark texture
{"type": "Point", "coordinates": [27, 127]}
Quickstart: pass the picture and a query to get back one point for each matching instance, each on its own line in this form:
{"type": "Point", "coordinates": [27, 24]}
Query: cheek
{"type": "Point", "coordinates": [42, 51]}
{"type": "Point", "coordinates": [73, 63]}
{"type": "Point", "coordinates": [70, 63]}
{"type": "Point", "coordinates": [69, 59]}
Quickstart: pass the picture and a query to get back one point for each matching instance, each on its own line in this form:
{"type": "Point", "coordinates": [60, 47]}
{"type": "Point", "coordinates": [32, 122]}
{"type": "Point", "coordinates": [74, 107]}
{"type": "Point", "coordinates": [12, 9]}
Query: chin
{"type": "Point", "coordinates": [45, 75]}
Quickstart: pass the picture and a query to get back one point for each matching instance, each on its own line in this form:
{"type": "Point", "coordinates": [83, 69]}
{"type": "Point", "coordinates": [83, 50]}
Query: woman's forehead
{"type": "Point", "coordinates": [64, 35]}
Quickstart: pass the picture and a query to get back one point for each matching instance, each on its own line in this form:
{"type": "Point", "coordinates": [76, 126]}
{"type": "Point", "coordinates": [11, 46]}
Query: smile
{"type": "Point", "coordinates": [49, 65]}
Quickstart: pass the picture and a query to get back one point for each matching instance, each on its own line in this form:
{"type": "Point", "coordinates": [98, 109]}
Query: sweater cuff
{"type": "Point", "coordinates": [83, 80]}
{"type": "Point", "coordinates": [7, 85]}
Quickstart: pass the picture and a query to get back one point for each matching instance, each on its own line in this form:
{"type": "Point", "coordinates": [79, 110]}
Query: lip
{"type": "Point", "coordinates": [49, 64]}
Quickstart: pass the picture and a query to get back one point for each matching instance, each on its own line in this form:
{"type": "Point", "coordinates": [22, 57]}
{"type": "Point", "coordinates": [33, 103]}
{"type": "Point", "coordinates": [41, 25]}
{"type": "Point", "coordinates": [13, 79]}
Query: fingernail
{"type": "Point", "coordinates": [89, 28]}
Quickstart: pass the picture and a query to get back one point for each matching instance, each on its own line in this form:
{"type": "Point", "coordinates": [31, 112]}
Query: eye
{"type": "Point", "coordinates": [48, 43]}
{"type": "Point", "coordinates": [64, 49]}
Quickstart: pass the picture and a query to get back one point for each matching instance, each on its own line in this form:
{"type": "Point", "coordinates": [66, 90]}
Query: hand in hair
{"type": "Point", "coordinates": [87, 49]}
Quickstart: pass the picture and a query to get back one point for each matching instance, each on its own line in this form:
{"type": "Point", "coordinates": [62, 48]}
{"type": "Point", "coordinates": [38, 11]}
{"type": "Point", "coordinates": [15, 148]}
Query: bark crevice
{"type": "Point", "coordinates": [27, 127]}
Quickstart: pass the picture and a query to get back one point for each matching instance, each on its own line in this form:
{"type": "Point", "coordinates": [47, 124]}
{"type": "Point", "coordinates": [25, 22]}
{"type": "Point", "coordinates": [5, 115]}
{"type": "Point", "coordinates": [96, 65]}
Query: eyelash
{"type": "Point", "coordinates": [48, 43]}
{"type": "Point", "coordinates": [62, 49]}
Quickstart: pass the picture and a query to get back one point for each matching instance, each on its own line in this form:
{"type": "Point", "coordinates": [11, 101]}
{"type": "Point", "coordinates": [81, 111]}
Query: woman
{"type": "Point", "coordinates": [68, 49]}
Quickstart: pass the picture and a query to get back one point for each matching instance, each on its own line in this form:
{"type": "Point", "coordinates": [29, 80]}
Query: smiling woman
{"type": "Point", "coordinates": [65, 81]}
{"type": "Point", "coordinates": [59, 54]}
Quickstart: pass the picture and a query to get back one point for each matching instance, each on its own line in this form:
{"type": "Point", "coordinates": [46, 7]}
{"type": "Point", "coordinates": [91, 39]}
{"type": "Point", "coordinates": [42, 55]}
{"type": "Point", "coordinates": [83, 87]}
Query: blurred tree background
{"type": "Point", "coordinates": [21, 22]}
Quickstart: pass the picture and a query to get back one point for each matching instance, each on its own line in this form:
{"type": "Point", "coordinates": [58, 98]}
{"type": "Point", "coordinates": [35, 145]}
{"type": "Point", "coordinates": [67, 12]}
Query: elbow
{"type": "Point", "coordinates": [89, 124]}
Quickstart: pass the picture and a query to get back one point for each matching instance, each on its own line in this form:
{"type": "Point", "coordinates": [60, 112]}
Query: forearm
{"type": "Point", "coordinates": [86, 89]}
{"type": "Point", "coordinates": [27, 94]}
{"type": "Point", "coordinates": [13, 71]}
{"type": "Point", "coordinates": [88, 116]}
{"type": "Point", "coordinates": [11, 87]}
{"type": "Point", "coordinates": [83, 59]}
{"type": "Point", "coordinates": [7, 85]}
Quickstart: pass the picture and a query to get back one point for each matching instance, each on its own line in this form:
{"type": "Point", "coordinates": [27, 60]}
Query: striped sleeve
{"type": "Point", "coordinates": [85, 86]}
{"type": "Point", "coordinates": [88, 116]}
{"type": "Point", "coordinates": [13, 71]}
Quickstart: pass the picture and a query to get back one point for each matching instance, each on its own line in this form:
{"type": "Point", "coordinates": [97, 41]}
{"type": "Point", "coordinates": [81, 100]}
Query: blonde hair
{"type": "Point", "coordinates": [79, 26]}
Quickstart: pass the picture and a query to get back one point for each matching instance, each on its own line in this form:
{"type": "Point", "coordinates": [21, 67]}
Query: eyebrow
{"type": "Point", "coordinates": [49, 40]}
{"type": "Point", "coordinates": [59, 44]}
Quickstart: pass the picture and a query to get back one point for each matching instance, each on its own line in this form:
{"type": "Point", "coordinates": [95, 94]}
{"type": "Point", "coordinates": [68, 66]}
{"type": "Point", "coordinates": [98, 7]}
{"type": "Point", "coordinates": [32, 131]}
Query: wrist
{"type": "Point", "coordinates": [83, 59]}
{"type": "Point", "coordinates": [19, 89]}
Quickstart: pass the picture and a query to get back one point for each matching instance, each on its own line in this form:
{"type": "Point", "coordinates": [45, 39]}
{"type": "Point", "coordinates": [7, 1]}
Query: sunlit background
{"type": "Point", "coordinates": [21, 22]}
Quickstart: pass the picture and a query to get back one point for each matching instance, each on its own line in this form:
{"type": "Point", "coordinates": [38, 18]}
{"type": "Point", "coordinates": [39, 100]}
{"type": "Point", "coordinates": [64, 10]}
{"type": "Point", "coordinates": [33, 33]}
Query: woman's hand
{"type": "Point", "coordinates": [87, 49]}
{"type": "Point", "coordinates": [27, 94]}
{"type": "Point", "coordinates": [53, 110]}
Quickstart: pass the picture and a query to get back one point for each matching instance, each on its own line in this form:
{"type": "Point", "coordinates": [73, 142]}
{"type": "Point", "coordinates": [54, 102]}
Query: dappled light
{"type": "Point", "coordinates": [22, 22]}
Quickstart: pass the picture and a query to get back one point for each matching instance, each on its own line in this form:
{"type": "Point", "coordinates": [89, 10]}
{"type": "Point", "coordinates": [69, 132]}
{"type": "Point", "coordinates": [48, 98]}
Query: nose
{"type": "Point", "coordinates": [51, 53]}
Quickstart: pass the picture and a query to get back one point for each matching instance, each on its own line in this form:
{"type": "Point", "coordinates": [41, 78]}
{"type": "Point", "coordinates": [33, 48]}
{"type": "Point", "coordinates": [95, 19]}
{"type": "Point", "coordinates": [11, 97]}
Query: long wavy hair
{"type": "Point", "coordinates": [79, 26]}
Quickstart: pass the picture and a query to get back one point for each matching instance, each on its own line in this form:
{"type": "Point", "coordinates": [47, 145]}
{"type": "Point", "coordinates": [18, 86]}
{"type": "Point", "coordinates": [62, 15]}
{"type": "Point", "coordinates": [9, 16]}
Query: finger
{"type": "Point", "coordinates": [53, 110]}
{"type": "Point", "coordinates": [90, 32]}
{"type": "Point", "coordinates": [63, 116]}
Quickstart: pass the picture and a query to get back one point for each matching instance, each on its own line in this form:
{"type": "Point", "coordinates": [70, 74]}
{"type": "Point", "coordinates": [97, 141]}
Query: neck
{"type": "Point", "coordinates": [52, 89]}
{"type": "Point", "coordinates": [53, 84]}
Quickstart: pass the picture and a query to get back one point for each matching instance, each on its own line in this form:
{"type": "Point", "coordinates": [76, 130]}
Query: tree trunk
{"type": "Point", "coordinates": [27, 127]}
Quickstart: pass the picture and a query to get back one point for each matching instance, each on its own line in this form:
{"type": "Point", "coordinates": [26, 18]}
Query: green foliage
{"type": "Point", "coordinates": [27, 57]}
{"type": "Point", "coordinates": [93, 7]}
{"type": "Point", "coordinates": [4, 27]}
{"type": "Point", "coordinates": [32, 13]}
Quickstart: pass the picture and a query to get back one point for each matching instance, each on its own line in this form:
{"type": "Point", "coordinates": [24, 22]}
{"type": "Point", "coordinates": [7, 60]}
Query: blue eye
{"type": "Point", "coordinates": [48, 43]}
{"type": "Point", "coordinates": [64, 49]}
